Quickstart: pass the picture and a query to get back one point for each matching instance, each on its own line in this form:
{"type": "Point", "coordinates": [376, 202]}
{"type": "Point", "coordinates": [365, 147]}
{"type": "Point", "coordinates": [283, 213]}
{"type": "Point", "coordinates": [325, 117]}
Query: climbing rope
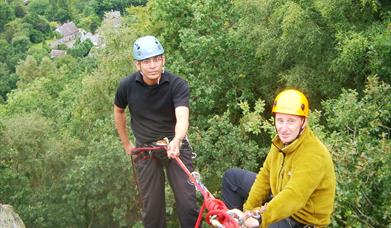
{"type": "Point", "coordinates": [217, 214]}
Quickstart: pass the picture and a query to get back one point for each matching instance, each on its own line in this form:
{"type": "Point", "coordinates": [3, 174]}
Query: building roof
{"type": "Point", "coordinates": [113, 14]}
{"type": "Point", "coordinates": [67, 29]}
{"type": "Point", "coordinates": [114, 17]}
{"type": "Point", "coordinates": [57, 53]}
{"type": "Point", "coordinates": [95, 39]}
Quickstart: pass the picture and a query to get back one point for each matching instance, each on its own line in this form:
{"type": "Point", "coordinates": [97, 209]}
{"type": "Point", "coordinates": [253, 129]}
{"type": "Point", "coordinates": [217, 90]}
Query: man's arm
{"type": "Point", "coordinates": [261, 189]}
{"type": "Point", "coordinates": [181, 127]}
{"type": "Point", "coordinates": [120, 125]}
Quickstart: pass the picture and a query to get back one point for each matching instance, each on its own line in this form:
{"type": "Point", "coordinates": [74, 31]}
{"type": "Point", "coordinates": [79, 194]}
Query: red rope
{"type": "Point", "coordinates": [199, 219]}
{"type": "Point", "coordinates": [217, 211]}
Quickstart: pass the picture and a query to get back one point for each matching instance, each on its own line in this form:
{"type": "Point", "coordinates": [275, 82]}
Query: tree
{"type": "Point", "coordinates": [39, 51]}
{"type": "Point", "coordinates": [6, 14]}
{"type": "Point", "coordinates": [57, 137]}
{"type": "Point", "coordinates": [15, 28]}
{"type": "Point", "coordinates": [37, 161]}
{"type": "Point", "coordinates": [380, 55]}
{"type": "Point", "coordinates": [38, 22]}
{"type": "Point", "coordinates": [62, 15]}
{"type": "Point", "coordinates": [21, 43]}
{"type": "Point", "coordinates": [5, 49]}
{"type": "Point", "coordinates": [316, 46]}
{"type": "Point", "coordinates": [20, 9]}
{"type": "Point", "coordinates": [90, 23]}
{"type": "Point", "coordinates": [359, 140]}
{"type": "Point", "coordinates": [81, 49]}
{"type": "Point", "coordinates": [7, 81]}
{"type": "Point", "coordinates": [39, 7]}
{"type": "Point", "coordinates": [107, 5]}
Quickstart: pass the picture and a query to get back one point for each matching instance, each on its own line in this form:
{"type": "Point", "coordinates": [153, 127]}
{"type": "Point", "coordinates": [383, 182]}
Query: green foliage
{"type": "Point", "coordinates": [38, 51]}
{"type": "Point", "coordinates": [253, 122]}
{"type": "Point", "coordinates": [39, 7]}
{"type": "Point", "coordinates": [39, 23]}
{"type": "Point", "coordinates": [80, 49]}
{"type": "Point", "coordinates": [7, 81]}
{"type": "Point", "coordinates": [37, 160]}
{"type": "Point", "coordinates": [16, 28]}
{"type": "Point", "coordinates": [380, 53]}
{"type": "Point", "coordinates": [106, 5]}
{"type": "Point", "coordinates": [222, 139]}
{"type": "Point", "coordinates": [21, 43]}
{"type": "Point", "coordinates": [100, 187]}
{"type": "Point", "coordinates": [62, 15]}
{"type": "Point", "coordinates": [6, 14]}
{"type": "Point", "coordinates": [27, 136]}
{"type": "Point", "coordinates": [20, 9]}
{"type": "Point", "coordinates": [40, 28]}
{"type": "Point", "coordinates": [360, 143]}
{"type": "Point", "coordinates": [317, 46]}
{"type": "Point", "coordinates": [102, 83]}
{"type": "Point", "coordinates": [15, 187]}
{"type": "Point", "coordinates": [201, 39]}
{"type": "Point", "coordinates": [5, 48]}
{"type": "Point", "coordinates": [90, 23]}
{"type": "Point", "coordinates": [27, 70]}
{"type": "Point", "coordinates": [62, 165]}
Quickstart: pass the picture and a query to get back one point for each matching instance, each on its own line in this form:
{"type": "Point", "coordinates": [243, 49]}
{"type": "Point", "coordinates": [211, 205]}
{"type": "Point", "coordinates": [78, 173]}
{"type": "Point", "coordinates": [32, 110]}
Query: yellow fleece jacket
{"type": "Point", "coordinates": [301, 179]}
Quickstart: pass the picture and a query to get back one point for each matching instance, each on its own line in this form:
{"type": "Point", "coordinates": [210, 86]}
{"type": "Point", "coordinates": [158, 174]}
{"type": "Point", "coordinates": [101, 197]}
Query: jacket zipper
{"type": "Point", "coordinates": [281, 173]}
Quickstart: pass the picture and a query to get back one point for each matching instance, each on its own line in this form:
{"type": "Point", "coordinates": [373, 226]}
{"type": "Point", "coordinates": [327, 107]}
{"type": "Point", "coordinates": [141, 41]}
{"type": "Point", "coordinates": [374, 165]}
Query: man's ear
{"type": "Point", "coordinates": [137, 65]}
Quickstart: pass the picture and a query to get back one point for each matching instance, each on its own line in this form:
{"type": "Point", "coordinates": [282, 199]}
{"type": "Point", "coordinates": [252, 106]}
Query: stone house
{"type": "Point", "coordinates": [69, 32]}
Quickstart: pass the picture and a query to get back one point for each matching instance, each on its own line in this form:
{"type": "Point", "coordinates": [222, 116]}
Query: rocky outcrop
{"type": "Point", "coordinates": [9, 218]}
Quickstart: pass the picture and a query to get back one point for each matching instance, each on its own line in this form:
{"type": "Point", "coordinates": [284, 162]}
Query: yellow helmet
{"type": "Point", "coordinates": [292, 102]}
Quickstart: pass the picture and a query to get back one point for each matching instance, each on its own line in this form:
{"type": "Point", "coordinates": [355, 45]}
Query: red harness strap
{"type": "Point", "coordinates": [217, 211]}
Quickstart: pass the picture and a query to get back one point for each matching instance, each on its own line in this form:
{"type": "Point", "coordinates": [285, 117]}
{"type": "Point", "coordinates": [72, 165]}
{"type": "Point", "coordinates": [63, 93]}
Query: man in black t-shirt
{"type": "Point", "coordinates": [158, 102]}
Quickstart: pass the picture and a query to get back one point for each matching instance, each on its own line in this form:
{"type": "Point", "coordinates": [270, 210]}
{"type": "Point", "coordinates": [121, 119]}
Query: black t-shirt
{"type": "Point", "coordinates": [152, 108]}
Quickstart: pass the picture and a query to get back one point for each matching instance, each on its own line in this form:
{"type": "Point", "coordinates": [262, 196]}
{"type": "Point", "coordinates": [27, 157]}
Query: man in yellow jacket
{"type": "Point", "coordinates": [298, 173]}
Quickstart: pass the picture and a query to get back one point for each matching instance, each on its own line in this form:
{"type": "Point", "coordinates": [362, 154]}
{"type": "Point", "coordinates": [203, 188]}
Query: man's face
{"type": "Point", "coordinates": [151, 69]}
{"type": "Point", "coordinates": [288, 126]}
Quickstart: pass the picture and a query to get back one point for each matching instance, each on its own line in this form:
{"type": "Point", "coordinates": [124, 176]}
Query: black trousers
{"type": "Point", "coordinates": [236, 186]}
{"type": "Point", "coordinates": [151, 179]}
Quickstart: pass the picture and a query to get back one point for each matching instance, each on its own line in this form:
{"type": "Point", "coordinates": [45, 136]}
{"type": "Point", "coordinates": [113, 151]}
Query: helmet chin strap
{"type": "Point", "coordinates": [302, 127]}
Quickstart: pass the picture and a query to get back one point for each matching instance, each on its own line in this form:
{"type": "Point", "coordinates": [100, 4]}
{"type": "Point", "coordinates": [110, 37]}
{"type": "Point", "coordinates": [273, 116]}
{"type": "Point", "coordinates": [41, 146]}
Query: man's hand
{"type": "Point", "coordinates": [129, 149]}
{"type": "Point", "coordinates": [253, 218]}
{"type": "Point", "coordinates": [173, 148]}
{"type": "Point", "coordinates": [251, 223]}
{"type": "Point", "coordinates": [246, 219]}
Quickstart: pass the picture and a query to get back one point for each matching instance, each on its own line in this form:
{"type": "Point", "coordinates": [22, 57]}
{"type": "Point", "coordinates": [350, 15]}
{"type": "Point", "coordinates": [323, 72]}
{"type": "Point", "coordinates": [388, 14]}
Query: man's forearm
{"type": "Point", "coordinates": [182, 124]}
{"type": "Point", "coordinates": [120, 125]}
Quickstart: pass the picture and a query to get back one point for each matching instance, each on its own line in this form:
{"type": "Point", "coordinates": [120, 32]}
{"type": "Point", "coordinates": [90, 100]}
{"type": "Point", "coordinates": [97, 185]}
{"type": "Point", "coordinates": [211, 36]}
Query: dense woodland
{"type": "Point", "coordinates": [62, 164]}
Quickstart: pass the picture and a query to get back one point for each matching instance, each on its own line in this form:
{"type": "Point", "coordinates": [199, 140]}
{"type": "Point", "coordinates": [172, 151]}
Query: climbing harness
{"type": "Point", "coordinates": [218, 214]}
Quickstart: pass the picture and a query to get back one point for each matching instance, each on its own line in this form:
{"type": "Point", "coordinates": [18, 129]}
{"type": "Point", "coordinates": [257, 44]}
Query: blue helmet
{"type": "Point", "coordinates": [146, 47]}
